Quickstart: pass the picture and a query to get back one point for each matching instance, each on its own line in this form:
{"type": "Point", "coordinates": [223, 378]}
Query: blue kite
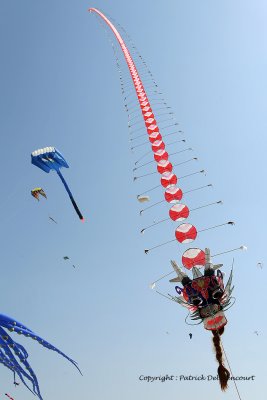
{"type": "Point", "coordinates": [49, 158]}
{"type": "Point", "coordinates": [14, 356]}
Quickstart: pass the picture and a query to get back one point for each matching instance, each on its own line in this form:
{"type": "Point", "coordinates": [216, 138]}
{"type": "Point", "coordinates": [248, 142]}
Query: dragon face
{"type": "Point", "coordinates": [204, 291]}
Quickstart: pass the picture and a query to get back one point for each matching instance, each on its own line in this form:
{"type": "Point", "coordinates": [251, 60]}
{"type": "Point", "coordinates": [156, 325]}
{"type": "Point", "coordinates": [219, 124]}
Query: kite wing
{"type": "Point", "coordinates": [48, 158]}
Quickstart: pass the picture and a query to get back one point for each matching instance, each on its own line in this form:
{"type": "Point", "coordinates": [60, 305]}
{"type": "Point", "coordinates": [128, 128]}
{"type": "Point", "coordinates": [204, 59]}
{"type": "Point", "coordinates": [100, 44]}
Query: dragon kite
{"type": "Point", "coordinates": [204, 295]}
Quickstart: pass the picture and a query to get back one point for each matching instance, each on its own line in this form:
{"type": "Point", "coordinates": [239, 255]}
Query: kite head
{"type": "Point", "coordinates": [48, 158]}
{"type": "Point", "coordinates": [206, 297]}
{"type": "Point", "coordinates": [204, 291]}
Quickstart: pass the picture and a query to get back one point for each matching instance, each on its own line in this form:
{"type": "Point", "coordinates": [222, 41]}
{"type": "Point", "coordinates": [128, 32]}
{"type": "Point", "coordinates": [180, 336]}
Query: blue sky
{"type": "Point", "coordinates": [60, 87]}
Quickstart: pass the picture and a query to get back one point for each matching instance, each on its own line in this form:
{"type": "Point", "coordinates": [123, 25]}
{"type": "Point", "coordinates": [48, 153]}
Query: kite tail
{"type": "Point", "coordinates": [41, 341]}
{"type": "Point", "coordinates": [8, 344]}
{"type": "Point", "coordinates": [77, 209]}
{"type": "Point", "coordinates": [223, 372]}
{"type": "Point", "coordinates": [6, 361]}
{"type": "Point", "coordinates": [8, 322]}
{"type": "Point", "coordinates": [70, 196]}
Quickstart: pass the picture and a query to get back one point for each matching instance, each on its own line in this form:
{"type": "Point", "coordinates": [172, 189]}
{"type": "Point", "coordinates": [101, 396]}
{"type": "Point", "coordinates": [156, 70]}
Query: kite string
{"type": "Point", "coordinates": [231, 372]}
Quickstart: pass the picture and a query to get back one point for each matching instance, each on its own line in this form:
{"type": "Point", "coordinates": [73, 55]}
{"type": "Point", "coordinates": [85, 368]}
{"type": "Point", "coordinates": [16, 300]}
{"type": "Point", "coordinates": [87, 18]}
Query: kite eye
{"type": "Point", "coordinates": [217, 294]}
{"type": "Point", "coordinates": [196, 301]}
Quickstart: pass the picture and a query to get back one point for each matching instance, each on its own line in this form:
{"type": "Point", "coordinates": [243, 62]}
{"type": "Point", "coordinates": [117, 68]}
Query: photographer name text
{"type": "Point", "coordinates": [167, 378]}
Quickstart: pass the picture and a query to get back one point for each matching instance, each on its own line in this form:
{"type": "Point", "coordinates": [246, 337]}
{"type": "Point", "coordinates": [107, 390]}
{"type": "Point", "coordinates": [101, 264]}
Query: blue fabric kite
{"type": "Point", "coordinates": [14, 356]}
{"type": "Point", "coordinates": [49, 158]}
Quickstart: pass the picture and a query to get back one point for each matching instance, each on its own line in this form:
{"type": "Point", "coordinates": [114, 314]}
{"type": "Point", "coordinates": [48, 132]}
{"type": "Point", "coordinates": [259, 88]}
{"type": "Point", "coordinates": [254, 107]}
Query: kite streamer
{"type": "Point", "coordinates": [15, 357]}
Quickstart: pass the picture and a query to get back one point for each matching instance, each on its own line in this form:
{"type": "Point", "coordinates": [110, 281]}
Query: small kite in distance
{"type": "Point", "coordinates": [67, 258]}
{"type": "Point", "coordinates": [260, 264]}
{"type": "Point", "coordinates": [8, 395]}
{"type": "Point", "coordinates": [143, 199]}
{"type": "Point", "coordinates": [36, 192]}
{"type": "Point", "coordinates": [52, 219]}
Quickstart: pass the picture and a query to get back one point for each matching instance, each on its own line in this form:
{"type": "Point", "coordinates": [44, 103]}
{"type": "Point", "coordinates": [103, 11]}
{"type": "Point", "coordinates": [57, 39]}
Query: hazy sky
{"type": "Point", "coordinates": [60, 87]}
